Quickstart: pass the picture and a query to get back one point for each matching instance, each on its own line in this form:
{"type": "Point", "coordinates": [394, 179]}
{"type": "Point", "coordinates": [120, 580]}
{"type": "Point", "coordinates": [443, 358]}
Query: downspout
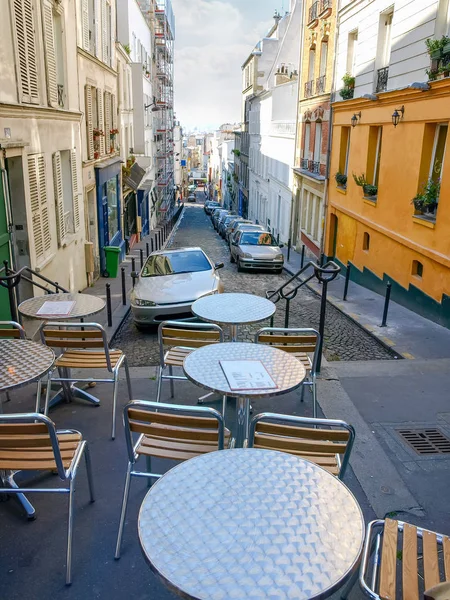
{"type": "Point", "coordinates": [330, 139]}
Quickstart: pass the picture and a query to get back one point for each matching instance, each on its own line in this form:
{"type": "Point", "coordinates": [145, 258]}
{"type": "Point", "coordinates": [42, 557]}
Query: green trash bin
{"type": "Point", "coordinates": [112, 254]}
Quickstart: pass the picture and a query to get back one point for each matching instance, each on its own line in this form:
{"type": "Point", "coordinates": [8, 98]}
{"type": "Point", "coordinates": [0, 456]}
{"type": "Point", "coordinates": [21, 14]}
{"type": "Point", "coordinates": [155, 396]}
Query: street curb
{"type": "Point", "coordinates": [333, 302]}
{"type": "Point", "coordinates": [121, 318]}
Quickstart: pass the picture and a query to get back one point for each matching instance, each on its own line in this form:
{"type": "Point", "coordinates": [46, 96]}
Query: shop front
{"type": "Point", "coordinates": [107, 178]}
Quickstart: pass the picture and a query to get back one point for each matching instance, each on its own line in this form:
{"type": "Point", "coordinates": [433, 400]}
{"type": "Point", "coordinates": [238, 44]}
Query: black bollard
{"type": "Point", "coordinates": [124, 289]}
{"type": "Point", "coordinates": [108, 304]}
{"type": "Point", "coordinates": [347, 279]}
{"type": "Point", "coordinates": [151, 243]}
{"type": "Point", "coordinates": [303, 256]}
{"type": "Point", "coordinates": [147, 248]}
{"type": "Point", "coordinates": [286, 314]}
{"type": "Point", "coordinates": [323, 308]}
{"type": "Point", "coordinates": [386, 303]}
{"type": "Point", "coordinates": [278, 238]}
{"type": "Point", "coordinates": [141, 256]}
{"type": "Point", "coordinates": [289, 249]}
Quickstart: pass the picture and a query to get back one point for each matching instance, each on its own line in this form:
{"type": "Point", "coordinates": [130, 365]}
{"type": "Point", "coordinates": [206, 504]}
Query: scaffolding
{"type": "Point", "coordinates": [164, 35]}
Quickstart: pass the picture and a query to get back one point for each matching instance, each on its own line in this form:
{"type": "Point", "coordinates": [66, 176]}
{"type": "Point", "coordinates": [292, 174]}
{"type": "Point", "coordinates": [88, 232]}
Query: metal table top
{"type": "Point", "coordinates": [251, 523]}
{"type": "Point", "coordinates": [22, 362]}
{"type": "Point", "coordinates": [85, 305]}
{"type": "Point", "coordinates": [233, 309]}
{"type": "Point", "coordinates": [202, 367]}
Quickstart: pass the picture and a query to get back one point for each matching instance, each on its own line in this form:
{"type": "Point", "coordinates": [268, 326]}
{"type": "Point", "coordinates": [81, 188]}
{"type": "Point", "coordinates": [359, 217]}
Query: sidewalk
{"type": "Point", "coordinates": [407, 333]}
{"type": "Point", "coordinates": [118, 308]}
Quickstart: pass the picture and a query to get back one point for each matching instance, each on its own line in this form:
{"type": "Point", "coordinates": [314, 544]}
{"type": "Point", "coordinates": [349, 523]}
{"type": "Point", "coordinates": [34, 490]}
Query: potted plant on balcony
{"type": "Point", "coordinates": [369, 190]}
{"type": "Point", "coordinates": [112, 134]}
{"type": "Point", "coordinates": [434, 48]}
{"type": "Point", "coordinates": [432, 74]}
{"type": "Point", "coordinates": [341, 180]}
{"type": "Point", "coordinates": [443, 71]}
{"type": "Point", "coordinates": [349, 87]}
{"type": "Point", "coordinates": [426, 201]}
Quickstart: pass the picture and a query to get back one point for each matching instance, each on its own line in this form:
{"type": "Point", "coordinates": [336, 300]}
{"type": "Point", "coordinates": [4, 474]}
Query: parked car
{"type": "Point", "coordinates": [217, 215]}
{"type": "Point", "coordinates": [169, 282]}
{"type": "Point", "coordinates": [221, 220]}
{"type": "Point", "coordinates": [192, 198]}
{"type": "Point", "coordinates": [211, 205]}
{"type": "Point", "coordinates": [231, 227]}
{"type": "Point", "coordinates": [248, 226]}
{"type": "Point", "coordinates": [224, 224]}
{"type": "Point", "coordinates": [252, 249]}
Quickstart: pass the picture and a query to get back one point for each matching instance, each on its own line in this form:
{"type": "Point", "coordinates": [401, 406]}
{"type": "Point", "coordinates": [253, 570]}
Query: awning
{"type": "Point", "coordinates": [133, 180]}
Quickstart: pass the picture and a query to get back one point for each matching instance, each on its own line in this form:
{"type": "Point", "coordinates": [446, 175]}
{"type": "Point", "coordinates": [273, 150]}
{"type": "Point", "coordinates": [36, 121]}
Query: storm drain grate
{"type": "Point", "coordinates": [426, 441]}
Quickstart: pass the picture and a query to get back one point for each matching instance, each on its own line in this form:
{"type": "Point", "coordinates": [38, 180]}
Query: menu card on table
{"type": "Point", "coordinates": [247, 375]}
{"type": "Point", "coordinates": [56, 309]}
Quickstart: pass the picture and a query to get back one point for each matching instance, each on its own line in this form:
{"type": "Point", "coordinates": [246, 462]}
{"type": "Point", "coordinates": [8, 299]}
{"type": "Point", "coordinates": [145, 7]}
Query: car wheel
{"type": "Point", "coordinates": [232, 258]}
{"type": "Point", "coordinates": [239, 268]}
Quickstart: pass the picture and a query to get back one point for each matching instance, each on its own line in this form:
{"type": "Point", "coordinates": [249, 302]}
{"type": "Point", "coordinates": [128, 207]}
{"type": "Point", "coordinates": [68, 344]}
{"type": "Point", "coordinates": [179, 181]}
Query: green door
{"type": "Point", "coordinates": [5, 314]}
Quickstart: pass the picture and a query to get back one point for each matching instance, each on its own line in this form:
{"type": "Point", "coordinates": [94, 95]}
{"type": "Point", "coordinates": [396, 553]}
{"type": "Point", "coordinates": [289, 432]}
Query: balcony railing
{"type": "Point", "coordinates": [382, 79]}
{"type": "Point", "coordinates": [309, 88]}
{"type": "Point", "coordinates": [313, 11]}
{"type": "Point", "coordinates": [304, 163]}
{"type": "Point", "coordinates": [320, 85]}
{"type": "Point", "coordinates": [325, 5]}
{"type": "Point", "coordinates": [61, 95]}
{"type": "Point", "coordinates": [314, 167]}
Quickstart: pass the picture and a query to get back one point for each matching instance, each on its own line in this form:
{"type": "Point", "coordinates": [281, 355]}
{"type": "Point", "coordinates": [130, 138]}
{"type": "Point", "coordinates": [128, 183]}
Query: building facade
{"type": "Point", "coordinates": [388, 211]}
{"type": "Point", "coordinates": [40, 141]}
{"type": "Point", "coordinates": [313, 123]}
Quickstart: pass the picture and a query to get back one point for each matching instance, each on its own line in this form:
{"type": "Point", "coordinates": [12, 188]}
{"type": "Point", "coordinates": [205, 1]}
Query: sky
{"type": "Point", "coordinates": [213, 39]}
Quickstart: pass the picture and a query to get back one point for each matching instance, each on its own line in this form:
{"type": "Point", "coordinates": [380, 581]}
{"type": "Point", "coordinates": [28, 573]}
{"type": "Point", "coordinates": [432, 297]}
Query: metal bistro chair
{"type": "Point", "coordinates": [177, 339]}
{"type": "Point", "coordinates": [303, 343]}
{"type": "Point", "coordinates": [84, 346]}
{"type": "Point", "coordinates": [325, 442]}
{"type": "Point", "coordinates": [415, 562]}
{"type": "Point", "coordinates": [13, 330]}
{"type": "Point", "coordinates": [31, 442]}
{"type": "Point", "coordinates": [168, 431]}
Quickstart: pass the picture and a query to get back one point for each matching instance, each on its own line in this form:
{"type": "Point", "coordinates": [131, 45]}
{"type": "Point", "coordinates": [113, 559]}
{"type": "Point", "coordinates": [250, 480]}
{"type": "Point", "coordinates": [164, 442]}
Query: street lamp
{"type": "Point", "coordinates": [396, 116]}
{"type": "Point", "coordinates": [355, 119]}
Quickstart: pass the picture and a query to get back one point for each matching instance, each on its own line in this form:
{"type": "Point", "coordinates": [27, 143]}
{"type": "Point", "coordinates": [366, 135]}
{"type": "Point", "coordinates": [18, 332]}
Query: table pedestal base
{"type": "Point", "coordinates": [7, 479]}
{"type": "Point", "coordinates": [70, 394]}
{"type": "Point", "coordinates": [242, 420]}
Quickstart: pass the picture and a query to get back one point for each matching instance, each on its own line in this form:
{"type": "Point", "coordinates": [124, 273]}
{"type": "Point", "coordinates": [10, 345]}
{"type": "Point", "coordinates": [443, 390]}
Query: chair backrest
{"type": "Point", "coordinates": [71, 336]}
{"type": "Point", "coordinates": [305, 340]}
{"type": "Point", "coordinates": [27, 440]}
{"type": "Point", "coordinates": [326, 442]}
{"type": "Point", "coordinates": [11, 329]}
{"type": "Point", "coordinates": [187, 335]}
{"type": "Point", "coordinates": [173, 431]}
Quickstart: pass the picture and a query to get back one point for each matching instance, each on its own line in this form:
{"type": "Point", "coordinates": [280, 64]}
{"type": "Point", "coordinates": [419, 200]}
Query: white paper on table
{"type": "Point", "coordinates": [247, 375]}
{"type": "Point", "coordinates": [60, 308]}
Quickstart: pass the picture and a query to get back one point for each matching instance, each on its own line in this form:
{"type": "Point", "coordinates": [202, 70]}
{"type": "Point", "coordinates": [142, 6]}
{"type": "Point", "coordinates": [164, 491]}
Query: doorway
{"type": "Point", "coordinates": [333, 233]}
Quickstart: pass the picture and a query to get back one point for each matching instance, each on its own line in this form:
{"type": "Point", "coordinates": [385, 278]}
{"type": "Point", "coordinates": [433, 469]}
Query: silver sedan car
{"type": "Point", "coordinates": [169, 282]}
{"type": "Point", "coordinates": [252, 249]}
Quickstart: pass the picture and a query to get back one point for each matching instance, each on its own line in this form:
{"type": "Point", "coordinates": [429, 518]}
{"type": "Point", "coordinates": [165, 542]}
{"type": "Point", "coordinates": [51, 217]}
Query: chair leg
{"type": "Point", "coordinates": [47, 395]}
{"type": "Point", "coordinates": [69, 534]}
{"type": "Point", "coordinates": [224, 406]}
{"type": "Point", "coordinates": [314, 395]}
{"type": "Point", "coordinates": [158, 390]}
{"type": "Point", "coordinates": [38, 395]}
{"type": "Point", "coordinates": [302, 393]}
{"type": "Point", "coordinates": [123, 512]}
{"type": "Point", "coordinates": [127, 375]}
{"type": "Point", "coordinates": [148, 466]}
{"type": "Point", "coordinates": [114, 402]}
{"type": "Point", "coordinates": [172, 389]}
{"type": "Point", "coordinates": [87, 457]}
{"type": "Point", "coordinates": [349, 585]}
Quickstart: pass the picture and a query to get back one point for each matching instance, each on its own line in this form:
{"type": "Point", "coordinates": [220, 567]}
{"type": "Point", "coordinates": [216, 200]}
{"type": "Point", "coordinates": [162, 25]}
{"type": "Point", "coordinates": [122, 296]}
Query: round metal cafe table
{"type": "Point", "coordinates": [23, 362]}
{"type": "Point", "coordinates": [85, 306]}
{"type": "Point", "coordinates": [203, 368]}
{"type": "Point", "coordinates": [233, 310]}
{"type": "Point", "coordinates": [251, 523]}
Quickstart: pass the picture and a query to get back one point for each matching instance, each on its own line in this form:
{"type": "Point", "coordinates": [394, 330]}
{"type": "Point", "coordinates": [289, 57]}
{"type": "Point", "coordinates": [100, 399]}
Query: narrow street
{"type": "Point", "coordinates": [343, 339]}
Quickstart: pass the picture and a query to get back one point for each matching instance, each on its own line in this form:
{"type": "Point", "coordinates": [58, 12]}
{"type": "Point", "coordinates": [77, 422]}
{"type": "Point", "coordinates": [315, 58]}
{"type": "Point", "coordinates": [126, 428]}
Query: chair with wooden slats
{"type": "Point", "coordinates": [83, 346]}
{"type": "Point", "coordinates": [303, 343]}
{"type": "Point", "coordinates": [31, 442]}
{"type": "Point", "coordinates": [325, 442]}
{"type": "Point", "coordinates": [402, 561]}
{"type": "Point", "coordinates": [168, 431]}
{"type": "Point", "coordinates": [177, 339]}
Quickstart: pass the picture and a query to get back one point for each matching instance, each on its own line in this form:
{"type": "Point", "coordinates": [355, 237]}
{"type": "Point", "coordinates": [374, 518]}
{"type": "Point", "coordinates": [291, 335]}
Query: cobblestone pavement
{"type": "Point", "coordinates": [343, 339]}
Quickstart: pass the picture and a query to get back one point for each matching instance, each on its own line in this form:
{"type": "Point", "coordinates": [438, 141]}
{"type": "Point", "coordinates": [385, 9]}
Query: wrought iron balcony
{"type": "Point", "coordinates": [309, 88]}
{"type": "Point", "coordinates": [320, 85]}
{"type": "Point", "coordinates": [304, 164]}
{"type": "Point", "coordinates": [314, 167]}
{"type": "Point", "coordinates": [313, 11]}
{"type": "Point", "coordinates": [382, 79]}
{"type": "Point", "coordinates": [325, 5]}
{"type": "Point", "coordinates": [61, 95]}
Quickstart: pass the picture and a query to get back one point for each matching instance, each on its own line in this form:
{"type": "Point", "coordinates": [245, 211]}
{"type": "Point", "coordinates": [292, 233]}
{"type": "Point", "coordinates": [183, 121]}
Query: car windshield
{"type": "Point", "coordinates": [175, 263]}
{"type": "Point", "coordinates": [254, 238]}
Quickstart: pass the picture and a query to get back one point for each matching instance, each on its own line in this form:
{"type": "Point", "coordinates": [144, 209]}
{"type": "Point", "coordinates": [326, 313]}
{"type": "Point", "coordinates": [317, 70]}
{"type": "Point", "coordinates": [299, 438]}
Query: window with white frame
{"type": "Point", "coordinates": [307, 141]}
{"type": "Point", "coordinates": [54, 53]}
{"type": "Point", "coordinates": [42, 240]}
{"type": "Point", "coordinates": [65, 182]}
{"type": "Point", "coordinates": [352, 50]}
{"type": "Point", "coordinates": [25, 41]}
{"type": "Point", "coordinates": [438, 154]}
{"type": "Point", "coordinates": [318, 142]}
{"type": "Point", "coordinates": [323, 58]}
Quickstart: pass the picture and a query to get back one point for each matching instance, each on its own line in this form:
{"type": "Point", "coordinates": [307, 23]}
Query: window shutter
{"type": "Point", "coordinates": [85, 24]}
{"type": "Point", "coordinates": [89, 121]}
{"type": "Point", "coordinates": [107, 120]}
{"type": "Point", "coordinates": [114, 111]}
{"type": "Point", "coordinates": [76, 197]}
{"type": "Point", "coordinates": [44, 206]}
{"type": "Point", "coordinates": [100, 120]}
{"type": "Point", "coordinates": [104, 33]}
{"type": "Point", "coordinates": [39, 208]}
{"type": "Point", "coordinates": [59, 198]}
{"type": "Point", "coordinates": [50, 58]}
{"type": "Point", "coordinates": [26, 51]}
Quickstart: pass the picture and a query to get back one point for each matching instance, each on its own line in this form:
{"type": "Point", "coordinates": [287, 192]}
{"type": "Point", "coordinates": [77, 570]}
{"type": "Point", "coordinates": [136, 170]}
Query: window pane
{"type": "Point", "coordinates": [113, 215]}
{"type": "Point", "coordinates": [439, 152]}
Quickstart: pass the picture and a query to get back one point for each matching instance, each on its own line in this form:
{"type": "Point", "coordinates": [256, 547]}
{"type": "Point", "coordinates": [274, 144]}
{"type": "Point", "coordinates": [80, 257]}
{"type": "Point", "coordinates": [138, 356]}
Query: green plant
{"type": "Point", "coordinates": [236, 152]}
{"type": "Point", "coordinates": [349, 87]}
{"type": "Point", "coordinates": [361, 180]}
{"type": "Point", "coordinates": [426, 201]}
{"type": "Point", "coordinates": [349, 81]}
{"type": "Point", "coordinates": [438, 44]}
{"type": "Point", "coordinates": [370, 190]}
{"type": "Point", "coordinates": [444, 68]}
{"type": "Point", "coordinates": [432, 74]}
{"type": "Point", "coordinates": [341, 179]}
{"type": "Point", "coordinates": [127, 49]}
{"type": "Point", "coordinates": [346, 93]}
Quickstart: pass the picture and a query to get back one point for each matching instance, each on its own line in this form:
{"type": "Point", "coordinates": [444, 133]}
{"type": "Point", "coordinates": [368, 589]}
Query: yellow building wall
{"type": "Point", "coordinates": [396, 237]}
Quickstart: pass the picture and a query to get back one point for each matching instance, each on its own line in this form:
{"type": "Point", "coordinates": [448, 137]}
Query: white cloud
{"type": "Point", "coordinates": [213, 39]}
